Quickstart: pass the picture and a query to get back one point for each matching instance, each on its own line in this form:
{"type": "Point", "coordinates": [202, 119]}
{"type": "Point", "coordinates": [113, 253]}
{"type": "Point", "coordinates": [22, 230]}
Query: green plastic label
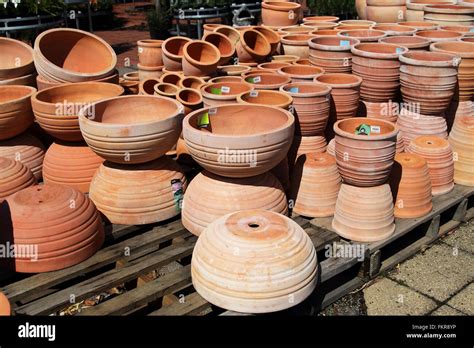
{"type": "Point", "coordinates": [178, 193]}
{"type": "Point", "coordinates": [203, 121]}
{"type": "Point", "coordinates": [216, 91]}
{"type": "Point", "coordinates": [363, 129]}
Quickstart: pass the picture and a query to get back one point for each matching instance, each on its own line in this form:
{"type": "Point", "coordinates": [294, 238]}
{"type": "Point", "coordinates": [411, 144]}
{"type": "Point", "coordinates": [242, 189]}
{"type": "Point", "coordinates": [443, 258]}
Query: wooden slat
{"type": "Point", "coordinates": [335, 265]}
{"type": "Point", "coordinates": [193, 305]}
{"type": "Point", "coordinates": [321, 238]}
{"type": "Point", "coordinates": [341, 291]}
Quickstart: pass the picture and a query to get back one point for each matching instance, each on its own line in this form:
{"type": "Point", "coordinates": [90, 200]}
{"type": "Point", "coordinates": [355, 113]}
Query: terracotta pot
{"type": "Point", "coordinates": [321, 19]}
{"type": "Point", "coordinates": [439, 156]}
{"type": "Point", "coordinates": [267, 80]}
{"type": "Point", "coordinates": [210, 196]}
{"type": "Point", "coordinates": [303, 145]}
{"type": "Point", "coordinates": [225, 46]}
{"type": "Point", "coordinates": [411, 186]}
{"type": "Point", "coordinates": [296, 44]}
{"type": "Point", "coordinates": [464, 50]}
{"type": "Point", "coordinates": [460, 138]}
{"type": "Point", "coordinates": [365, 160]}
{"type": "Point", "coordinates": [201, 58]}
{"type": "Point", "coordinates": [190, 98]}
{"type": "Point", "coordinates": [357, 23]}
{"type": "Point", "coordinates": [364, 214]}
{"type": "Point", "coordinates": [361, 8]}
{"type": "Point", "coordinates": [5, 309]}
{"type": "Point", "coordinates": [14, 177]}
{"type": "Point", "coordinates": [272, 37]}
{"type": "Point", "coordinates": [420, 25]}
{"type": "Point", "coordinates": [27, 80]}
{"type": "Point", "coordinates": [149, 53]}
{"type": "Point", "coordinates": [130, 83]}
{"type": "Point", "coordinates": [468, 39]}
{"type": "Point", "coordinates": [227, 145]}
{"type": "Point", "coordinates": [254, 281]}
{"type": "Point", "coordinates": [331, 148]}
{"type": "Point", "coordinates": [315, 185]}
{"type": "Point", "coordinates": [386, 111]}
{"type": "Point", "coordinates": [303, 61]}
{"type": "Point", "coordinates": [56, 109]}
{"type": "Point", "coordinates": [222, 93]}
{"type": "Point", "coordinates": [415, 10]}
{"type": "Point", "coordinates": [172, 49]}
{"type": "Point", "coordinates": [147, 87]}
{"type": "Point", "coordinates": [233, 70]}
{"type": "Point", "coordinates": [225, 79]}
{"type": "Point", "coordinates": [413, 43]}
{"type": "Point", "coordinates": [210, 27]}
{"type": "Point", "coordinates": [193, 82]}
{"type": "Point", "coordinates": [449, 14]}
{"type": "Point", "coordinates": [465, 30]}
{"type": "Point", "coordinates": [393, 29]}
{"type": "Point", "coordinates": [386, 11]}
{"type": "Point", "coordinates": [326, 32]}
{"type": "Point", "coordinates": [230, 32]}
{"type": "Point", "coordinates": [26, 149]}
{"type": "Point", "coordinates": [70, 164]}
{"type": "Point", "coordinates": [285, 58]}
{"type": "Point", "coordinates": [272, 66]}
{"type": "Point", "coordinates": [294, 30]}
{"type": "Point", "coordinates": [165, 90]}
{"type": "Point", "coordinates": [132, 129]}
{"type": "Point", "coordinates": [400, 144]}
{"type": "Point", "coordinates": [15, 110]}
{"type": "Point", "coordinates": [363, 35]}
{"type": "Point", "coordinates": [139, 194]}
{"type": "Point", "coordinates": [171, 77]}
{"type": "Point", "coordinates": [61, 222]}
{"type": "Point", "coordinates": [439, 35]}
{"type": "Point", "coordinates": [332, 53]}
{"type": "Point", "coordinates": [145, 73]}
{"type": "Point", "coordinates": [252, 46]}
{"type": "Point", "coordinates": [311, 103]}
{"type": "Point", "coordinates": [17, 59]}
{"type": "Point", "coordinates": [80, 57]}
{"type": "Point", "coordinates": [466, 3]}
{"type": "Point", "coordinates": [378, 65]}
{"type": "Point", "coordinates": [319, 25]}
{"type": "Point", "coordinates": [264, 97]}
{"type": "Point", "coordinates": [280, 13]}
{"type": "Point", "coordinates": [412, 125]}
{"type": "Point", "coordinates": [345, 93]}
{"type": "Point", "coordinates": [301, 73]}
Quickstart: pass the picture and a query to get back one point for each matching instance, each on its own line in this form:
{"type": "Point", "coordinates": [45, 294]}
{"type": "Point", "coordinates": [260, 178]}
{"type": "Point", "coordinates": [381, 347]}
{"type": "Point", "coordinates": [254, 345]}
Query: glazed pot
{"type": "Point", "coordinates": [26, 149]}
{"type": "Point", "coordinates": [56, 109]}
{"type": "Point", "coordinates": [172, 49]}
{"type": "Point", "coordinates": [439, 156]}
{"type": "Point", "coordinates": [361, 8]}
{"type": "Point", "coordinates": [139, 194]}
{"type": "Point", "coordinates": [272, 37]}
{"type": "Point", "coordinates": [225, 46]}
{"type": "Point", "coordinates": [264, 97]}
{"type": "Point", "coordinates": [70, 164]}
{"type": "Point", "coordinates": [238, 140]}
{"type": "Point", "coordinates": [210, 196]}
{"type": "Point", "coordinates": [449, 14]}
{"type": "Point", "coordinates": [193, 82]}
{"type": "Point", "coordinates": [415, 10]}
{"type": "Point", "coordinates": [145, 73]}
{"type": "Point", "coordinates": [190, 98]}
{"type": "Point", "coordinates": [165, 90]}
{"type": "Point", "coordinates": [412, 125]}
{"type": "Point", "coordinates": [413, 43]}
{"type": "Point", "coordinates": [363, 35]}
{"type": "Point", "coordinates": [222, 93]}
{"type": "Point", "coordinates": [280, 13]}
{"type": "Point", "coordinates": [80, 57]}
{"type": "Point", "coordinates": [267, 80]}
{"type": "Point", "coordinates": [378, 66]}
{"type": "Point", "coordinates": [149, 53]}
{"type": "Point", "coordinates": [420, 25]}
{"type": "Point", "coordinates": [301, 73]}
{"type": "Point", "coordinates": [332, 53]}
{"type": "Point", "coordinates": [147, 87]}
{"type": "Point", "coordinates": [386, 11]}
{"type": "Point", "coordinates": [411, 186]}
{"type": "Point", "coordinates": [14, 177]}
{"type": "Point", "coordinates": [15, 110]}
{"type": "Point", "coordinates": [254, 281]}
{"type": "Point", "coordinates": [132, 129]}
{"type": "Point", "coordinates": [61, 222]}
{"type": "Point", "coordinates": [285, 58]}
{"type": "Point", "coordinates": [201, 58]}
{"type": "Point", "coordinates": [233, 70]}
{"type": "Point", "coordinates": [345, 93]}
{"type": "Point", "coordinates": [311, 103]}
{"type": "Point", "coordinates": [460, 138]}
{"type": "Point", "coordinates": [439, 35]}
{"type": "Point", "coordinates": [303, 145]}
{"type": "Point", "coordinates": [320, 19]}
{"type": "Point", "coordinates": [252, 46]}
{"type": "Point", "coordinates": [315, 185]}
{"type": "Point", "coordinates": [365, 160]}
{"type": "Point", "coordinates": [17, 59]}
{"type": "Point", "coordinates": [5, 308]}
{"type": "Point", "coordinates": [171, 77]}
{"type": "Point", "coordinates": [230, 32]}
{"type": "Point", "coordinates": [393, 29]}
{"type": "Point", "coordinates": [272, 66]}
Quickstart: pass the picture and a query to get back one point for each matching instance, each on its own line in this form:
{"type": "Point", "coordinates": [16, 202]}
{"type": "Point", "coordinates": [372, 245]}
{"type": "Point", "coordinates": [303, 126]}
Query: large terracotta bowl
{"type": "Point", "coordinates": [17, 59]}
{"type": "Point", "coordinates": [239, 140]}
{"type": "Point", "coordinates": [56, 109]}
{"type": "Point", "coordinates": [132, 129]}
{"type": "Point", "coordinates": [15, 110]}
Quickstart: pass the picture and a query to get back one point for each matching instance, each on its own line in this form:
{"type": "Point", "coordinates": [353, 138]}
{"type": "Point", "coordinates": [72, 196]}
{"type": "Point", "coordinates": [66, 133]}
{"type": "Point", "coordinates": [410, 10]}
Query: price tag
{"type": "Point", "coordinates": [471, 30]}
{"type": "Point", "coordinates": [212, 111]}
{"type": "Point", "coordinates": [257, 79]}
{"type": "Point", "coordinates": [375, 129]}
{"type": "Point", "coordinates": [294, 89]}
{"type": "Point", "coordinates": [225, 89]}
{"type": "Point", "coordinates": [253, 94]}
{"type": "Point", "coordinates": [140, 49]}
{"type": "Point", "coordinates": [344, 43]}
{"type": "Point", "coordinates": [399, 50]}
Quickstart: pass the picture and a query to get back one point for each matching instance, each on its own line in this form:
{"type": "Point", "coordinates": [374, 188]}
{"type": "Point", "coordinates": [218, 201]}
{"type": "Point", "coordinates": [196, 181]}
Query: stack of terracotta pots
{"type": "Point", "coordinates": [14, 176]}
{"type": "Point", "coordinates": [17, 66]}
{"type": "Point", "coordinates": [332, 53]}
{"type": "Point", "coordinates": [449, 14]}
{"type": "Point", "coordinates": [150, 60]}
{"type": "Point", "coordinates": [386, 11]}
{"type": "Point", "coordinates": [461, 139]}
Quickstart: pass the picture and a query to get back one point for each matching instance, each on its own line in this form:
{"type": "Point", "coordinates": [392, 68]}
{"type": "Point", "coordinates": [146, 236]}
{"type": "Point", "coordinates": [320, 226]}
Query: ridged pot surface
{"type": "Point", "coordinates": [461, 139]}
{"type": "Point", "coordinates": [15, 110]}
{"type": "Point", "coordinates": [14, 177]}
{"type": "Point", "coordinates": [413, 124]}
{"type": "Point", "coordinates": [280, 13]}
{"type": "Point", "coordinates": [332, 53]}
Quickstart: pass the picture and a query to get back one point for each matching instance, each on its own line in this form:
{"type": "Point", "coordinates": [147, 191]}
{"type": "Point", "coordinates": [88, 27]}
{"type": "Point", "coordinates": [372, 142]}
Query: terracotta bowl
{"type": "Point", "coordinates": [301, 73]}
{"type": "Point", "coordinates": [238, 140]}
{"type": "Point", "coordinates": [264, 97]}
{"type": "Point", "coordinates": [5, 308]}
{"type": "Point", "coordinates": [172, 49]}
{"type": "Point", "coordinates": [201, 58]}
{"type": "Point", "coordinates": [233, 70]}
{"type": "Point", "coordinates": [193, 82]}
{"type": "Point", "coordinates": [27, 80]}
{"type": "Point", "coordinates": [222, 93]}
{"type": "Point", "coordinates": [132, 129]}
{"type": "Point", "coordinates": [410, 42]}
{"type": "Point", "coordinates": [224, 44]}
{"type": "Point", "coordinates": [267, 80]}
{"type": "Point", "coordinates": [15, 110]}
{"type": "Point", "coordinates": [17, 59]}
{"type": "Point", "coordinates": [56, 109]}
{"type": "Point", "coordinates": [147, 87]}
{"type": "Point", "coordinates": [14, 177]}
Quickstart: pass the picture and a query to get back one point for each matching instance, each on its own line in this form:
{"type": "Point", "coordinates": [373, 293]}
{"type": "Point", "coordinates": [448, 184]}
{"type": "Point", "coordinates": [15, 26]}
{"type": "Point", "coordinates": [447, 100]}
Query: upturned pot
{"type": "Point", "coordinates": [393, 29]}
{"type": "Point", "coordinates": [224, 44]}
{"type": "Point", "coordinates": [301, 73]}
{"type": "Point", "coordinates": [266, 80]}
{"type": "Point", "coordinates": [173, 51]}
{"type": "Point", "coordinates": [14, 177]}
{"type": "Point", "coordinates": [239, 140]}
{"type": "Point", "coordinates": [15, 110]}
{"type": "Point", "coordinates": [315, 185]}
{"type": "Point", "coordinates": [272, 37]}
{"type": "Point", "coordinates": [26, 149]}
{"type": "Point", "coordinates": [412, 125]}
{"type": "Point", "coordinates": [190, 98]}
{"type": "Point", "coordinates": [365, 160]}
{"type": "Point", "coordinates": [70, 164]}
{"type": "Point", "coordinates": [63, 236]}
{"type": "Point", "coordinates": [139, 194]}
{"type": "Point", "coordinates": [460, 138]}
{"type": "Point", "coordinates": [332, 53]}
{"type": "Point", "coordinates": [363, 35]}
{"type": "Point", "coordinates": [439, 156]}
{"type": "Point", "coordinates": [449, 14]}
{"type": "Point", "coordinates": [252, 46]}
{"type": "Point", "coordinates": [5, 308]}
{"type": "Point", "coordinates": [413, 43]}
{"type": "Point", "coordinates": [303, 145]}
{"type": "Point", "coordinates": [222, 93]}
{"type": "Point", "coordinates": [132, 129]}
{"type": "Point", "coordinates": [266, 97]}
{"type": "Point", "coordinates": [210, 196]}
{"type": "Point", "coordinates": [386, 11]}
{"type": "Point", "coordinates": [200, 58]}
{"type": "Point", "coordinates": [149, 53]}
{"type": "Point", "coordinates": [439, 35]}
{"type": "Point", "coordinates": [17, 59]}
{"type": "Point", "coordinates": [411, 186]}
{"type": "Point", "coordinates": [280, 13]}
{"type": "Point", "coordinates": [254, 281]}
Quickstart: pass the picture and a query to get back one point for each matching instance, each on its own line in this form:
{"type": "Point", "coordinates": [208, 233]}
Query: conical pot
{"type": "Point", "coordinates": [461, 139]}
{"type": "Point", "coordinates": [332, 53]}
{"type": "Point", "coordinates": [413, 124]}
{"type": "Point", "coordinates": [280, 13]}
{"type": "Point", "coordinates": [252, 47]}
{"type": "Point", "coordinates": [15, 110]}
{"type": "Point", "coordinates": [14, 177]}
{"type": "Point", "coordinates": [224, 44]}
{"type": "Point", "coordinates": [172, 49]}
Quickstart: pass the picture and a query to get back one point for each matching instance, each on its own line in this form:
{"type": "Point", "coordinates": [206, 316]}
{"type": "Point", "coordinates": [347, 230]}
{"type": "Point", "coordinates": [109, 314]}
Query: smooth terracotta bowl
{"type": "Point", "coordinates": [17, 59]}
{"type": "Point", "coordinates": [172, 49]}
{"type": "Point", "coordinates": [14, 177]}
{"type": "Point", "coordinates": [222, 93]}
{"type": "Point", "coordinates": [15, 110]}
{"type": "Point", "coordinates": [410, 42]}
{"type": "Point", "coordinates": [224, 44]}
{"type": "Point", "coordinates": [132, 129]}
{"type": "Point", "coordinates": [266, 80]}
{"type": "Point", "coordinates": [266, 97]}
{"type": "Point", "coordinates": [201, 58]}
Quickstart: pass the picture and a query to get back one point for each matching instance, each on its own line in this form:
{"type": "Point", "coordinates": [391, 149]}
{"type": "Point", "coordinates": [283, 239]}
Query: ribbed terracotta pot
{"type": "Point", "coordinates": [386, 11]}
{"type": "Point", "coordinates": [252, 46]}
{"type": "Point", "coordinates": [254, 280]}
{"type": "Point", "coordinates": [363, 35]}
{"type": "Point", "coordinates": [139, 194]}
{"type": "Point", "coordinates": [306, 145]}
{"type": "Point", "coordinates": [331, 148]}
{"type": "Point", "coordinates": [190, 98]}
{"type": "Point", "coordinates": [420, 25]}
{"type": "Point", "coordinates": [60, 221]}
{"type": "Point", "coordinates": [280, 13]}
{"type": "Point", "coordinates": [5, 308]}
{"type": "Point", "coordinates": [415, 10]}
{"type": "Point", "coordinates": [386, 111]}
{"type": "Point", "coordinates": [224, 44]}
{"type": "Point", "coordinates": [428, 79]}
{"type": "Point", "coordinates": [222, 93]}
{"type": "Point", "coordinates": [70, 164]}
{"type": "Point", "coordinates": [301, 73]}
{"type": "Point", "coordinates": [17, 59]}
{"type": "Point", "coordinates": [15, 110]}
{"type": "Point", "coordinates": [449, 14]}
{"type": "Point", "coordinates": [149, 53]}
{"type": "Point", "coordinates": [264, 97]}
{"type": "Point", "coordinates": [57, 108]}
{"type": "Point", "coordinates": [365, 160]}
{"type": "Point", "coordinates": [332, 53]}
{"type": "Point", "coordinates": [130, 83]}
{"type": "Point", "coordinates": [266, 80]}
{"type": "Point", "coordinates": [311, 103]}
{"type": "Point", "coordinates": [200, 58]}
{"type": "Point", "coordinates": [296, 44]}
{"type": "Point", "coordinates": [378, 66]}
{"type": "Point", "coordinates": [413, 43]}
{"type": "Point", "coordinates": [14, 177]}
{"type": "Point", "coordinates": [439, 156]}
{"type": "Point", "coordinates": [80, 57]}
{"type": "Point", "coordinates": [411, 186]}
{"type": "Point", "coordinates": [315, 185]}
{"type": "Point", "coordinates": [364, 214]}
{"type": "Point", "coordinates": [239, 140]}
{"type": "Point", "coordinates": [461, 140]}
{"type": "Point", "coordinates": [209, 196]}
{"type": "Point", "coordinates": [26, 149]}
{"type": "Point", "coordinates": [412, 125]}
{"type": "Point", "coordinates": [439, 35]}
{"type": "Point", "coordinates": [345, 93]}
{"type": "Point", "coordinates": [172, 50]}
{"type": "Point", "coordinates": [145, 73]}
{"type": "Point", "coordinates": [132, 129]}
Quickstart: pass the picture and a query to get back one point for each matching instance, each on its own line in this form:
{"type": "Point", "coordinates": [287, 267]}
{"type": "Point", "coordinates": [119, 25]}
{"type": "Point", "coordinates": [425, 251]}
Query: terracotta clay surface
{"type": "Point", "coordinates": [280, 13]}
{"type": "Point", "coordinates": [222, 93]}
{"type": "Point", "coordinates": [252, 46]}
{"type": "Point", "coordinates": [149, 53]}
{"type": "Point", "coordinates": [266, 79]}
{"type": "Point", "coordinates": [258, 279]}
{"type": "Point", "coordinates": [301, 73]}
{"type": "Point", "coordinates": [272, 37]}
{"type": "Point", "coordinates": [190, 98]}
{"type": "Point", "coordinates": [266, 97]}
{"type": "Point", "coordinates": [439, 35]}
{"type": "Point", "coordinates": [5, 308]}
{"type": "Point", "coordinates": [14, 177]}
{"type": "Point", "coordinates": [461, 139]}
{"type": "Point", "coordinates": [412, 124]}
{"type": "Point", "coordinates": [224, 44]}
{"type": "Point", "coordinates": [15, 110]}
{"type": "Point", "coordinates": [305, 145]}
{"type": "Point", "coordinates": [200, 58]}
{"type": "Point", "coordinates": [411, 42]}
{"type": "Point", "coordinates": [17, 59]}
{"type": "Point", "coordinates": [296, 44]}
{"type": "Point", "coordinates": [386, 11]}
{"type": "Point", "coordinates": [331, 148]}
{"type": "Point", "coordinates": [172, 50]}
{"type": "Point", "coordinates": [363, 35]}
{"type": "Point", "coordinates": [332, 53]}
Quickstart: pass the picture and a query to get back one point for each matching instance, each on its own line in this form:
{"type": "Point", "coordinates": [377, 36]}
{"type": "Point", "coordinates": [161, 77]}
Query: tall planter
{"type": "Point", "coordinates": [332, 53]}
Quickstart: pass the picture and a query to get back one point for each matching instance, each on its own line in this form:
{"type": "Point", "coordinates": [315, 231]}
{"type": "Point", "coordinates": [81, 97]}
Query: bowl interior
{"type": "Point", "coordinates": [14, 55]}
{"type": "Point", "coordinates": [350, 125]}
{"type": "Point", "coordinates": [266, 97]}
{"type": "Point", "coordinates": [78, 93]}
{"type": "Point", "coordinates": [9, 93]}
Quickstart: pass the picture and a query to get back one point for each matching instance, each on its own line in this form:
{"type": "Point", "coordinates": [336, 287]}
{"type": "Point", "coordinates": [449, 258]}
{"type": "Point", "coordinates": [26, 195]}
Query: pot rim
{"type": "Point", "coordinates": [131, 76]}
{"type": "Point", "coordinates": [415, 24]}
{"type": "Point", "coordinates": [152, 43]}
{"type": "Point", "coordinates": [191, 90]}
{"type": "Point", "coordinates": [166, 84]}
{"type": "Point", "coordinates": [289, 99]}
{"type": "Point", "coordinates": [251, 50]}
{"type": "Point", "coordinates": [262, 66]}
{"type": "Point", "coordinates": [225, 68]}
{"type": "Point", "coordinates": [318, 24]}
{"type": "Point", "coordinates": [307, 67]}
{"type": "Point", "coordinates": [422, 41]}
{"type": "Point", "coordinates": [271, 32]}
{"type": "Point", "coordinates": [286, 39]}
{"type": "Point", "coordinates": [356, 83]}
{"type": "Point", "coordinates": [280, 5]}
{"type": "Point", "coordinates": [345, 134]}
{"type": "Point", "coordinates": [449, 9]}
{"type": "Point", "coordinates": [24, 45]}
{"type": "Point", "coordinates": [195, 78]}
{"type": "Point", "coordinates": [4, 305]}
{"type": "Point", "coordinates": [350, 22]}
{"type": "Point", "coordinates": [206, 94]}
{"type": "Point", "coordinates": [31, 93]}
{"type": "Point", "coordinates": [142, 83]}
{"type": "Point", "coordinates": [174, 38]}
{"type": "Point", "coordinates": [455, 35]}
{"type": "Point", "coordinates": [150, 68]}
{"type": "Point", "coordinates": [332, 17]}
{"type": "Point", "coordinates": [346, 33]}
{"type": "Point", "coordinates": [415, 58]}
{"type": "Point", "coordinates": [356, 50]}
{"type": "Point", "coordinates": [202, 43]}
{"type": "Point", "coordinates": [223, 37]}
{"type": "Point", "coordinates": [285, 55]}
{"type": "Point", "coordinates": [323, 47]}
{"type": "Point", "coordinates": [326, 89]}
{"type": "Point", "coordinates": [435, 46]}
